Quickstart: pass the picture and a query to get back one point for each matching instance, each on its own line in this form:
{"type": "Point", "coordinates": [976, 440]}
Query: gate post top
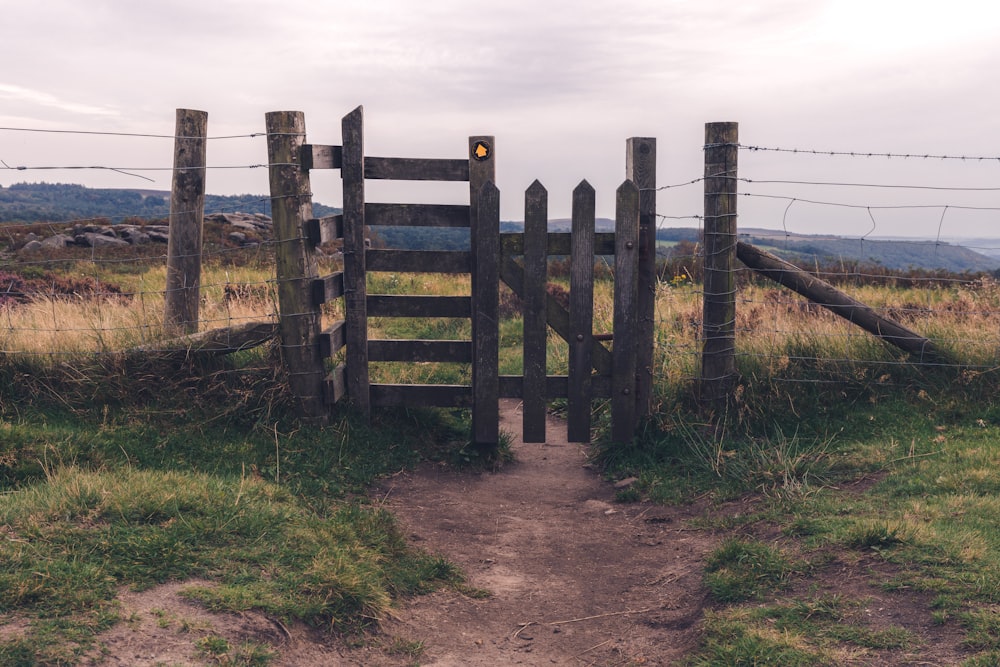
{"type": "Point", "coordinates": [481, 149]}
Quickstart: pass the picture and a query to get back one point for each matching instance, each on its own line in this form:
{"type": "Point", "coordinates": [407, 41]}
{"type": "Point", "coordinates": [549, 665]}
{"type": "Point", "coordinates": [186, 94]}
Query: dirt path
{"type": "Point", "coordinates": [576, 578]}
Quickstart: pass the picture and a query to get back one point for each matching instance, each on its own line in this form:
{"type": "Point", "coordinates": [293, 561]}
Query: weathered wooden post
{"type": "Point", "coordinates": [187, 215]}
{"type": "Point", "coordinates": [485, 245]}
{"type": "Point", "coordinates": [291, 205]}
{"type": "Point", "coordinates": [640, 168]}
{"type": "Point", "coordinates": [718, 361]}
{"type": "Point", "coordinates": [581, 315]}
{"type": "Point", "coordinates": [626, 313]}
{"type": "Point", "coordinates": [536, 223]}
{"type": "Point", "coordinates": [352, 172]}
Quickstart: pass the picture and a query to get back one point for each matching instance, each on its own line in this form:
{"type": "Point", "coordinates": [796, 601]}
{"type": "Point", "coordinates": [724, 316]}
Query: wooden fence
{"type": "Point", "coordinates": [722, 250]}
{"type": "Point", "coordinates": [622, 374]}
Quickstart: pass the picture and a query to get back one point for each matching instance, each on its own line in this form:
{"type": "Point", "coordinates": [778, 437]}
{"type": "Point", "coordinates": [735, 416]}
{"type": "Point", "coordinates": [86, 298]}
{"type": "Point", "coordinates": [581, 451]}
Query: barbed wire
{"type": "Point", "coordinates": [251, 135]}
{"type": "Point", "coordinates": [864, 154]}
{"type": "Point", "coordinates": [861, 154]}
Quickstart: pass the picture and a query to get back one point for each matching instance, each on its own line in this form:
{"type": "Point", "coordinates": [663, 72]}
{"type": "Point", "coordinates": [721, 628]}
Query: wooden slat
{"type": "Point", "coordinates": [640, 168]}
{"type": "Point", "coordinates": [557, 317]}
{"type": "Point", "coordinates": [316, 156]}
{"type": "Point", "coordinates": [581, 315]}
{"type": "Point", "coordinates": [416, 169]}
{"type": "Point", "coordinates": [392, 305]}
{"type": "Point", "coordinates": [327, 288]}
{"type": "Point", "coordinates": [421, 395]}
{"type": "Point", "coordinates": [355, 297]}
{"type": "Point", "coordinates": [453, 351]}
{"type": "Point", "coordinates": [333, 339]}
{"type": "Point", "coordinates": [335, 385]}
{"type": "Point", "coordinates": [419, 261]}
{"type": "Point", "coordinates": [558, 243]}
{"type": "Point", "coordinates": [626, 313]}
{"type": "Point", "coordinates": [535, 332]}
{"type": "Point", "coordinates": [556, 386]}
{"type": "Point", "coordinates": [324, 230]}
{"type": "Point", "coordinates": [418, 215]}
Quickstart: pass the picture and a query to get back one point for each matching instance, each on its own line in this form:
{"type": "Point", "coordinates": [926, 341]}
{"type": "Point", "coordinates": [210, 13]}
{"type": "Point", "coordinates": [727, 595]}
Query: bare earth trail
{"type": "Point", "coordinates": [575, 578]}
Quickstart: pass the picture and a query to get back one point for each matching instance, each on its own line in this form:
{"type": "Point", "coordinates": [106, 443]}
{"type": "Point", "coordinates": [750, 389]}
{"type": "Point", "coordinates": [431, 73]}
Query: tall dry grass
{"type": "Point", "coordinates": [779, 334]}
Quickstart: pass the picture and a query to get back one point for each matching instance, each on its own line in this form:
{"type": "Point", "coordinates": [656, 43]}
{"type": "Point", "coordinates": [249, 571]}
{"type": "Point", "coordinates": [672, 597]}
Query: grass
{"type": "Point", "coordinates": [114, 476]}
{"type": "Point", "coordinates": [121, 471]}
{"type": "Point", "coordinates": [902, 492]}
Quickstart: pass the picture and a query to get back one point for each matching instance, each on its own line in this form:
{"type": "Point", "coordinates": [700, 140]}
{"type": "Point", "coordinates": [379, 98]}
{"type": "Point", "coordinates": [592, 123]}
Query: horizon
{"type": "Point", "coordinates": [561, 86]}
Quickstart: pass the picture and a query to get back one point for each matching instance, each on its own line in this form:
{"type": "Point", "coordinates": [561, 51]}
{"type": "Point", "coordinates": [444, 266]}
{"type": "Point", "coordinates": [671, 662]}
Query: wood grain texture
{"type": "Point", "coordinates": [355, 300]}
{"type": "Point", "coordinates": [581, 314]}
{"type": "Point", "coordinates": [300, 319]}
{"type": "Point", "coordinates": [187, 215]}
{"type": "Point", "coordinates": [486, 320]}
{"type": "Point", "coordinates": [333, 339]}
{"type": "Point", "coordinates": [315, 156]}
{"type": "Point", "coordinates": [626, 314]}
{"type": "Point", "coordinates": [718, 358]}
{"type": "Point", "coordinates": [640, 168]}
{"type": "Point", "coordinates": [327, 288]}
{"type": "Point", "coordinates": [325, 229]}
{"type": "Point", "coordinates": [536, 220]}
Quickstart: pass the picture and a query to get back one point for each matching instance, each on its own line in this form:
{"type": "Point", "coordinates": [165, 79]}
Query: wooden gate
{"type": "Point", "coordinates": [622, 374]}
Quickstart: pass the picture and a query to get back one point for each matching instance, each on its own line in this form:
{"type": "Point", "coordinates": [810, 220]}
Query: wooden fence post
{"type": "Point", "coordinates": [536, 223]}
{"type": "Point", "coordinates": [485, 318]}
{"type": "Point", "coordinates": [718, 362]}
{"type": "Point", "coordinates": [581, 315]}
{"type": "Point", "coordinates": [352, 171]}
{"type": "Point", "coordinates": [291, 205]}
{"type": "Point", "coordinates": [187, 216]}
{"type": "Point", "coordinates": [485, 390]}
{"type": "Point", "coordinates": [626, 313]}
{"type": "Point", "coordinates": [640, 168]}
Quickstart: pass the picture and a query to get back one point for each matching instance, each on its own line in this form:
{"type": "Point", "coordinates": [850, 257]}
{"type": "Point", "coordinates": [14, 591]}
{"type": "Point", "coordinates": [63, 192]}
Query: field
{"type": "Point", "coordinates": [128, 470]}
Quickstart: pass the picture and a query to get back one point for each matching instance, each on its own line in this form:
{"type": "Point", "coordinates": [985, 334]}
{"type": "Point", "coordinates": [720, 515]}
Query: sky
{"type": "Point", "coordinates": [560, 84]}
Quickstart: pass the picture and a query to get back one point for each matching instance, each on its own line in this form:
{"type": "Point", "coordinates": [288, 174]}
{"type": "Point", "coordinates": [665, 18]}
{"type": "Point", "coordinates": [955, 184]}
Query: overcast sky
{"type": "Point", "coordinates": [561, 84]}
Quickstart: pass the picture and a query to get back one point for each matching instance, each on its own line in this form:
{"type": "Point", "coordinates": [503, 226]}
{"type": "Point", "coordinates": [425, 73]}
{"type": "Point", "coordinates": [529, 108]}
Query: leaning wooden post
{"type": "Point", "coordinates": [718, 361]}
{"type": "Point", "coordinates": [640, 168]}
{"type": "Point", "coordinates": [299, 320]}
{"type": "Point", "coordinates": [187, 216]}
{"type": "Point", "coordinates": [484, 224]}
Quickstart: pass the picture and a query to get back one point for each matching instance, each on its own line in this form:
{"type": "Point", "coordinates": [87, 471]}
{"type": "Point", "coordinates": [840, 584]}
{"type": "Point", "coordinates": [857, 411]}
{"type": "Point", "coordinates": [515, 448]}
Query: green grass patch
{"type": "Point", "coordinates": [131, 484]}
{"type": "Point", "coordinates": [743, 570]}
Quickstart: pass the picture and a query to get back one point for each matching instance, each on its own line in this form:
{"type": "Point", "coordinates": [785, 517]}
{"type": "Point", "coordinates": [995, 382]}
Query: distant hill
{"type": "Point", "coordinates": [896, 254]}
{"type": "Point", "coordinates": [63, 202]}
{"type": "Point", "coordinates": [60, 202]}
